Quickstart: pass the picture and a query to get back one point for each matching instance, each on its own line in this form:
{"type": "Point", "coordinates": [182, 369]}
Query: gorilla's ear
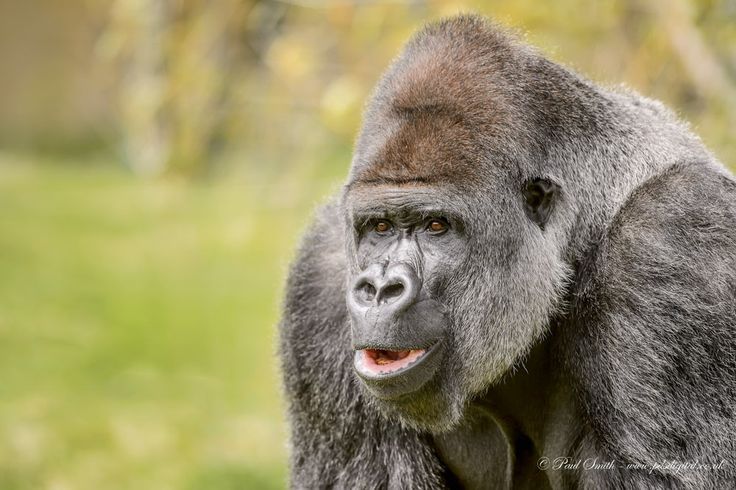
{"type": "Point", "coordinates": [539, 199]}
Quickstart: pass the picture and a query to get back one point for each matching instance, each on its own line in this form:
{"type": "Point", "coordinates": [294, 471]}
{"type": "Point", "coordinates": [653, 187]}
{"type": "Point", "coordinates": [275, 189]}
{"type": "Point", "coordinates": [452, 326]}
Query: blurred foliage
{"type": "Point", "coordinates": [158, 160]}
{"type": "Point", "coordinates": [136, 329]}
{"type": "Point", "coordinates": [181, 86]}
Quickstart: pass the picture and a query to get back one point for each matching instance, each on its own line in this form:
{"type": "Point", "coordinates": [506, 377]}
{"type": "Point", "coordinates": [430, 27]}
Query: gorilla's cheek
{"type": "Point", "coordinates": [494, 326]}
{"type": "Point", "coordinates": [503, 311]}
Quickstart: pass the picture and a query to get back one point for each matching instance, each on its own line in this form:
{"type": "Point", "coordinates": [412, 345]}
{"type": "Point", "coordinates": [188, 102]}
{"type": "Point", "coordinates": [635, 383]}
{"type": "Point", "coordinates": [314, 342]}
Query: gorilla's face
{"type": "Point", "coordinates": [406, 247]}
{"type": "Point", "coordinates": [446, 290]}
{"type": "Point", "coordinates": [455, 242]}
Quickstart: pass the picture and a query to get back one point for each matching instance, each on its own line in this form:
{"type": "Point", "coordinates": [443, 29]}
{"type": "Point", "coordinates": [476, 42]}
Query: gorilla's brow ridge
{"type": "Point", "coordinates": [364, 210]}
{"type": "Point", "coordinates": [397, 181]}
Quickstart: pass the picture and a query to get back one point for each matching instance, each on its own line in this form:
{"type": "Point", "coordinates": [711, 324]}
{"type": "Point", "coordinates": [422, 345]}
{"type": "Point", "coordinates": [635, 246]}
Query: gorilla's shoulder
{"type": "Point", "coordinates": [656, 323]}
{"type": "Point", "coordinates": [316, 284]}
{"type": "Point", "coordinates": [314, 333]}
{"type": "Point", "coordinates": [676, 234]}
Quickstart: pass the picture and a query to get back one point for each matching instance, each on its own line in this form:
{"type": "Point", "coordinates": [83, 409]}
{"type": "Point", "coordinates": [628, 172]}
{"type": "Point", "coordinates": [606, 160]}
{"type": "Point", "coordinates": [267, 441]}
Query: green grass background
{"type": "Point", "coordinates": [137, 325]}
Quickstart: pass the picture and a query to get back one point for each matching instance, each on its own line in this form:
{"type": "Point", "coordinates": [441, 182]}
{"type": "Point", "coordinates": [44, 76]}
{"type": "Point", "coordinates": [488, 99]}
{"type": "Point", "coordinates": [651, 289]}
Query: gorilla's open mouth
{"type": "Point", "coordinates": [380, 361]}
{"type": "Point", "coordinates": [389, 373]}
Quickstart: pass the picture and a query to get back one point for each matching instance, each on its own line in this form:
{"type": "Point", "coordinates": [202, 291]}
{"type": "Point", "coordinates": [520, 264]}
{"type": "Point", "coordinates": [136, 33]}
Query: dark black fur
{"type": "Point", "coordinates": [599, 328]}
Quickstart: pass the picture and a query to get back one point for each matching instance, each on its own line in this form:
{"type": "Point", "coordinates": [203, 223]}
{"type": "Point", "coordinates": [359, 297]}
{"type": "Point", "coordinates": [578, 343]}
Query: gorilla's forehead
{"type": "Point", "coordinates": [443, 103]}
{"type": "Point", "coordinates": [428, 146]}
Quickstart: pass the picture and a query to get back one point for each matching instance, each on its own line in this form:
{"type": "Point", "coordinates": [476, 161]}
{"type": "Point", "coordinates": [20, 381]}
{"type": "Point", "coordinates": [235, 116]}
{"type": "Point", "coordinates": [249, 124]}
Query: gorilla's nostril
{"type": "Point", "coordinates": [384, 292]}
{"type": "Point", "coordinates": [366, 292]}
{"type": "Point", "coordinates": [391, 292]}
{"type": "Point", "coordinates": [369, 292]}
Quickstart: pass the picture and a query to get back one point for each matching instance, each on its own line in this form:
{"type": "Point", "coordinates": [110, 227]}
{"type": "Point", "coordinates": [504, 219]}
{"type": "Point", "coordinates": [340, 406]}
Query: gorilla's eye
{"type": "Point", "coordinates": [382, 226]}
{"type": "Point", "coordinates": [437, 226]}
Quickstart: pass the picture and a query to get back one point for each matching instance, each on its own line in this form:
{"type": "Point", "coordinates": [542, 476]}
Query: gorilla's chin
{"type": "Point", "coordinates": [421, 396]}
{"type": "Point", "coordinates": [429, 409]}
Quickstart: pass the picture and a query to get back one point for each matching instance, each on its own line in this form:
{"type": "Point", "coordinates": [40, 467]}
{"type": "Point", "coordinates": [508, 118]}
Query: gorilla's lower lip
{"type": "Point", "coordinates": [389, 373]}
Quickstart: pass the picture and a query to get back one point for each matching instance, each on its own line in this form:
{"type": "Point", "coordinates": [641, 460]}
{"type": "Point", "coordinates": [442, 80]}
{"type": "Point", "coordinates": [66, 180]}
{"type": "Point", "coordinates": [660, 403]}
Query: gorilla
{"type": "Point", "coordinates": [527, 281]}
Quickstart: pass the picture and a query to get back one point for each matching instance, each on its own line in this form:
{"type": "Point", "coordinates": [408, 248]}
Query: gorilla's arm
{"type": "Point", "coordinates": [338, 440]}
{"type": "Point", "coordinates": [655, 343]}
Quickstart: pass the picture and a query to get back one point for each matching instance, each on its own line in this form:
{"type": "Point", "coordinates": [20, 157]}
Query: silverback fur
{"type": "Point", "coordinates": [609, 333]}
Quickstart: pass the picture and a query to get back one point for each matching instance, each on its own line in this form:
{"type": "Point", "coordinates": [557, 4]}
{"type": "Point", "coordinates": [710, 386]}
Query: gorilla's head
{"type": "Point", "coordinates": [455, 234]}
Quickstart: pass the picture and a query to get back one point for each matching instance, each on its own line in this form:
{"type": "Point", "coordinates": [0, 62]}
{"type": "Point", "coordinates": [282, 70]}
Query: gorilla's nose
{"type": "Point", "coordinates": [393, 289]}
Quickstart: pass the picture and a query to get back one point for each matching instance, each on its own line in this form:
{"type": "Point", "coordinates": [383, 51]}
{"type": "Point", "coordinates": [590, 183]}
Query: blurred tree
{"type": "Point", "coordinates": [51, 95]}
{"type": "Point", "coordinates": [175, 61]}
{"type": "Point", "coordinates": [269, 84]}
